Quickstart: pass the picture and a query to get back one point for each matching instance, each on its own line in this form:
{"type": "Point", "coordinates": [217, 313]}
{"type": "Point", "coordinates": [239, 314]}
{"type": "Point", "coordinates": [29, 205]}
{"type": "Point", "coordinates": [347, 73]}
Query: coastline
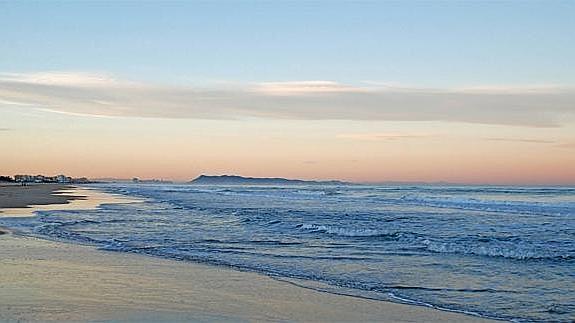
{"type": "Point", "coordinates": [45, 280]}
{"type": "Point", "coordinates": [18, 196]}
{"type": "Point", "coordinates": [23, 201]}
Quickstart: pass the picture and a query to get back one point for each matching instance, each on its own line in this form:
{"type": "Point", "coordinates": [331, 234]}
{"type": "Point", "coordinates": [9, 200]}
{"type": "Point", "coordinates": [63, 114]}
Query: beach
{"type": "Point", "coordinates": [45, 280]}
{"type": "Point", "coordinates": [17, 196]}
{"type": "Point", "coordinates": [23, 201]}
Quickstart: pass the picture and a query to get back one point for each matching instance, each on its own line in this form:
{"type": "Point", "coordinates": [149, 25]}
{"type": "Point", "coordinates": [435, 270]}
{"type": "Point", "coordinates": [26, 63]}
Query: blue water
{"type": "Point", "coordinates": [502, 252]}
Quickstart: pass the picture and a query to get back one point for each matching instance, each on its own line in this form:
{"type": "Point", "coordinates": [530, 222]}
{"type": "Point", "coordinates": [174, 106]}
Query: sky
{"type": "Point", "coordinates": [465, 92]}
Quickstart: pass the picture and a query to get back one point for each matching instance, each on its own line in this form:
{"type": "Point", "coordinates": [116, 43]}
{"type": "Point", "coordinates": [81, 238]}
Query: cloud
{"type": "Point", "coordinates": [506, 89]}
{"type": "Point", "coordinates": [103, 95]}
{"type": "Point", "coordinates": [531, 141]}
{"type": "Point", "coordinates": [76, 79]}
{"type": "Point", "coordinates": [5, 129]}
{"type": "Point", "coordinates": [380, 136]}
{"type": "Point", "coordinates": [557, 144]}
{"type": "Point", "coordinates": [6, 102]}
{"type": "Point", "coordinates": [304, 87]}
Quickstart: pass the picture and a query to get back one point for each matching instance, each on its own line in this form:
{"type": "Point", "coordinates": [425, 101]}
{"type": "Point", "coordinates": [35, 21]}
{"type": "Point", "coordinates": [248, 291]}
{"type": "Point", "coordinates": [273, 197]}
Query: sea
{"type": "Point", "coordinates": [493, 251]}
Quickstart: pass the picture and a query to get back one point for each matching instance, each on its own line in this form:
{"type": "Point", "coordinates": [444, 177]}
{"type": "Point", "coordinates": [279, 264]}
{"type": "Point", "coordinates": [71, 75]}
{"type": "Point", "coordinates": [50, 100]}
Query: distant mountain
{"type": "Point", "coordinates": [240, 180]}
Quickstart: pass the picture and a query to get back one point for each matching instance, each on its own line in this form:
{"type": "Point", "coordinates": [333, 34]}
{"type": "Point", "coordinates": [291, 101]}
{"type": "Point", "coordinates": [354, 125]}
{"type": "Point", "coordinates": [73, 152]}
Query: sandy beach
{"type": "Point", "coordinates": [17, 196]}
{"type": "Point", "coordinates": [44, 280]}
{"type": "Point", "coordinates": [23, 201]}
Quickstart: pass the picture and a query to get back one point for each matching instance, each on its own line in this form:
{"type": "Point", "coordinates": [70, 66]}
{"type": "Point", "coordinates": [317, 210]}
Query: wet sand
{"type": "Point", "coordinates": [44, 280]}
{"type": "Point", "coordinates": [23, 201]}
{"type": "Point", "coordinates": [17, 196]}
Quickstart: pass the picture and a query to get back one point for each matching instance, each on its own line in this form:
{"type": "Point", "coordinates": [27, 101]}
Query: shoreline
{"type": "Point", "coordinates": [45, 197]}
{"type": "Point", "coordinates": [18, 196]}
{"type": "Point", "coordinates": [44, 280]}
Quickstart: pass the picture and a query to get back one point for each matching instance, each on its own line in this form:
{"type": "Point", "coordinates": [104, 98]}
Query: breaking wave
{"type": "Point", "coordinates": [520, 207]}
{"type": "Point", "coordinates": [473, 246]}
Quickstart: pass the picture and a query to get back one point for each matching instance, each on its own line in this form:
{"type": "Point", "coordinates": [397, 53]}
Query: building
{"type": "Point", "coordinates": [63, 179]}
{"type": "Point", "coordinates": [50, 179]}
{"type": "Point", "coordinates": [24, 178]}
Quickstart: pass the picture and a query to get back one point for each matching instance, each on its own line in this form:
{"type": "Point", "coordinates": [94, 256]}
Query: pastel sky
{"type": "Point", "coordinates": [465, 92]}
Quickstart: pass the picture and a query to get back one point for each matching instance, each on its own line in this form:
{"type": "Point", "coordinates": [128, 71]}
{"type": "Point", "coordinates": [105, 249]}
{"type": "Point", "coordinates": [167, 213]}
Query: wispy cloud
{"type": "Point", "coordinates": [75, 79]}
{"type": "Point", "coordinates": [104, 95]}
{"type": "Point", "coordinates": [509, 89]}
{"type": "Point", "coordinates": [75, 114]}
{"type": "Point", "coordinates": [304, 87]}
{"type": "Point", "coordinates": [524, 140]}
{"type": "Point", "coordinates": [6, 102]}
{"type": "Point", "coordinates": [555, 143]}
{"type": "Point", "coordinates": [380, 136]}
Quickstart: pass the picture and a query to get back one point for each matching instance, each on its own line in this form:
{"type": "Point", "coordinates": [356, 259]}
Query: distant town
{"type": "Point", "coordinates": [136, 180]}
{"type": "Point", "coordinates": [63, 179]}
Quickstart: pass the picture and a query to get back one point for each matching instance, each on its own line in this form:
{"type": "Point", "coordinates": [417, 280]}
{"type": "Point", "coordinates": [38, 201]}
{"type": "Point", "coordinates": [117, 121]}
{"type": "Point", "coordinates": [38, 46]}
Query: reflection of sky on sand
{"type": "Point", "coordinates": [86, 199]}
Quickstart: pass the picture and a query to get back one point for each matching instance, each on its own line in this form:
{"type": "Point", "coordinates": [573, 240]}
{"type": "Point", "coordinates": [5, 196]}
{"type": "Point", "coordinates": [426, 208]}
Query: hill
{"type": "Point", "coordinates": [240, 180]}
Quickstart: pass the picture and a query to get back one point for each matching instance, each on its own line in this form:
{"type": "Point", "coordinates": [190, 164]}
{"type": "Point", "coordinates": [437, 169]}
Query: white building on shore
{"type": "Point", "coordinates": [49, 179]}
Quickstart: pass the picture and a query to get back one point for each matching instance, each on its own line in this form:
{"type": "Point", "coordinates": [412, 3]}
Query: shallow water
{"type": "Point", "coordinates": [503, 252]}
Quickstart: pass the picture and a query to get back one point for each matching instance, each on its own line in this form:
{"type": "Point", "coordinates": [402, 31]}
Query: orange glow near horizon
{"type": "Point", "coordinates": [45, 143]}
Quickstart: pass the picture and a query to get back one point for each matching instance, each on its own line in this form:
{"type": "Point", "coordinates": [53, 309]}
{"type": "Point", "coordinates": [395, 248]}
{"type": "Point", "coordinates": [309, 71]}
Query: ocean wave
{"type": "Point", "coordinates": [549, 190]}
{"type": "Point", "coordinates": [467, 203]}
{"type": "Point", "coordinates": [495, 249]}
{"type": "Point", "coordinates": [270, 192]}
{"type": "Point", "coordinates": [512, 248]}
{"type": "Point", "coordinates": [346, 232]}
